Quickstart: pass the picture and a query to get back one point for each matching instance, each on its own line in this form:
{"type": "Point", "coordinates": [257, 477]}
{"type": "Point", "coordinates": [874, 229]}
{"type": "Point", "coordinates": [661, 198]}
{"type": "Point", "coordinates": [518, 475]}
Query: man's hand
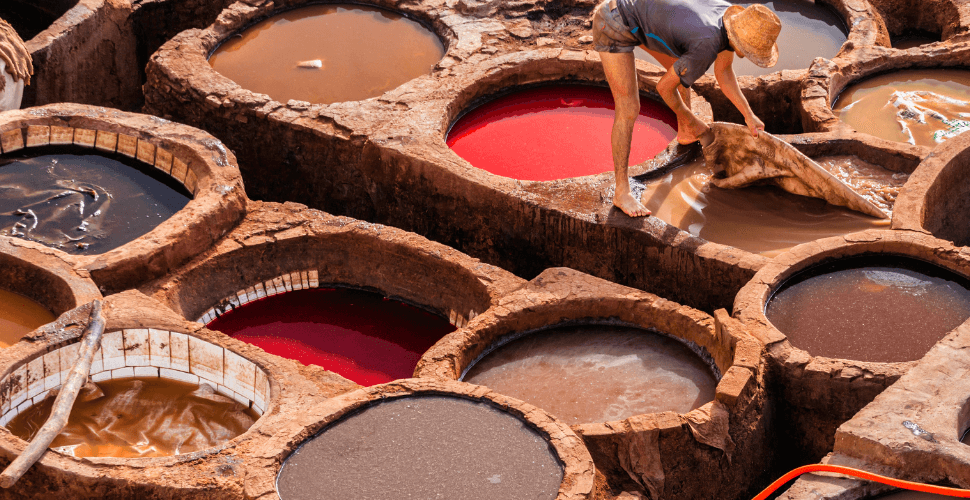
{"type": "Point", "coordinates": [754, 124]}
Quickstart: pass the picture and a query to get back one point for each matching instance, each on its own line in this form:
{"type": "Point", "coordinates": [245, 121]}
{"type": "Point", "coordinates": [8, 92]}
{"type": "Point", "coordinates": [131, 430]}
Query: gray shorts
{"type": "Point", "coordinates": [610, 34]}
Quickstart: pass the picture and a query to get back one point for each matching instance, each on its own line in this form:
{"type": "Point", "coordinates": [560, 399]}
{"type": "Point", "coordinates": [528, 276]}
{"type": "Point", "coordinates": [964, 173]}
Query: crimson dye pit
{"type": "Point", "coordinates": [555, 132]}
{"type": "Point", "coordinates": [360, 335]}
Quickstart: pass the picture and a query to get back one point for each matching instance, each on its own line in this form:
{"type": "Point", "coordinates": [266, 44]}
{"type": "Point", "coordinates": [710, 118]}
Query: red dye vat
{"type": "Point", "coordinates": [360, 335]}
{"type": "Point", "coordinates": [555, 132]}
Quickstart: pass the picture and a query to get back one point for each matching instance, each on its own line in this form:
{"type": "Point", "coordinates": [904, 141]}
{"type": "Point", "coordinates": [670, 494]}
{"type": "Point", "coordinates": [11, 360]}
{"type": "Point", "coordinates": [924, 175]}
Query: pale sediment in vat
{"type": "Point", "coordinates": [424, 447]}
{"type": "Point", "coordinates": [83, 203]}
{"type": "Point", "coordinates": [328, 53]}
{"type": "Point", "coordinates": [596, 373]}
{"type": "Point", "coordinates": [361, 335]}
{"type": "Point", "coordinates": [923, 107]}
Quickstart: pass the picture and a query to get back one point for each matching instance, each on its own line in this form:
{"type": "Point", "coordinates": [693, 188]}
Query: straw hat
{"type": "Point", "coordinates": [754, 30]}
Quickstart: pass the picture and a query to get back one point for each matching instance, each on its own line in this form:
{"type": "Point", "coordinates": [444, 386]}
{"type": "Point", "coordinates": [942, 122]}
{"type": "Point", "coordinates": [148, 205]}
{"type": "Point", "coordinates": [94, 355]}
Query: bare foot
{"type": "Point", "coordinates": [630, 205]}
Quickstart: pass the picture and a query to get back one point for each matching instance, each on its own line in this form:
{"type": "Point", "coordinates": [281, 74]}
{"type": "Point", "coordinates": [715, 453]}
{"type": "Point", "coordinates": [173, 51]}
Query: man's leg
{"type": "Point", "coordinates": [621, 74]}
{"type": "Point", "coordinates": [667, 62]}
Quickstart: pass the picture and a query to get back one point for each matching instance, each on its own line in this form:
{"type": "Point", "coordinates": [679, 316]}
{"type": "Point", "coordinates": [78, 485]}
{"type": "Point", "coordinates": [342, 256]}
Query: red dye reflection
{"type": "Point", "coordinates": [555, 132]}
{"type": "Point", "coordinates": [360, 335]}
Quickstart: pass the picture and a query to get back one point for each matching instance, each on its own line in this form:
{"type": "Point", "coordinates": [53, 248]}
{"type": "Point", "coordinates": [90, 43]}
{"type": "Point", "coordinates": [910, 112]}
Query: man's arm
{"type": "Point", "coordinates": [724, 74]}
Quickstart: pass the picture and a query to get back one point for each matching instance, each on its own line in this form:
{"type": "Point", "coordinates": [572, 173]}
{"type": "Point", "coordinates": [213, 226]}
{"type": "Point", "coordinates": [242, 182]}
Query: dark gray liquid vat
{"type": "Point", "coordinates": [423, 447]}
{"type": "Point", "coordinates": [83, 203]}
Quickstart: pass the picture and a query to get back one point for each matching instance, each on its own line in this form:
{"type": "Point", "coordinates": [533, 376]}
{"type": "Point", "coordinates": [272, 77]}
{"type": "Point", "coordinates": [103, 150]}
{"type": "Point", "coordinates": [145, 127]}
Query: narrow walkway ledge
{"type": "Point", "coordinates": [816, 394]}
{"type": "Point", "coordinates": [144, 339]}
{"type": "Point", "coordinates": [190, 157]}
{"type": "Point", "coordinates": [660, 454]}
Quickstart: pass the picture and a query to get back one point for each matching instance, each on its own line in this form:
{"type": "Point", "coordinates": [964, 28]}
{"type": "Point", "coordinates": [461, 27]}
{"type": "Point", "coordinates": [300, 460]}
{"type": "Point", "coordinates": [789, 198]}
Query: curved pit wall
{"type": "Point", "coordinates": [144, 339]}
{"type": "Point", "coordinates": [817, 394]}
{"type": "Point", "coordinates": [934, 199]}
{"type": "Point", "coordinates": [45, 276]}
{"type": "Point", "coordinates": [882, 439]}
{"type": "Point", "coordinates": [281, 248]}
{"type": "Point", "coordinates": [191, 157]}
{"type": "Point", "coordinates": [660, 454]}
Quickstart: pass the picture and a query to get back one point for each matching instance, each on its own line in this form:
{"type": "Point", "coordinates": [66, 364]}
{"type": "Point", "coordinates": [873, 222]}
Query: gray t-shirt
{"type": "Point", "coordinates": [690, 30]}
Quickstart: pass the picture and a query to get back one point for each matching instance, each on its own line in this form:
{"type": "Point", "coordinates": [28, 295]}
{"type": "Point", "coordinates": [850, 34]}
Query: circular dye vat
{"type": "Point", "coordinates": [140, 417]}
{"type": "Point", "coordinates": [808, 30]}
{"type": "Point", "coordinates": [590, 373]}
{"type": "Point", "coordinates": [870, 308]}
{"type": "Point", "coordinates": [19, 316]}
{"type": "Point", "coordinates": [83, 203]}
{"type": "Point", "coordinates": [555, 132]}
{"type": "Point", "coordinates": [423, 447]}
{"type": "Point", "coordinates": [765, 219]}
{"type": "Point", "coordinates": [360, 335]}
{"type": "Point", "coordinates": [919, 106]}
{"type": "Point", "coordinates": [30, 17]}
{"type": "Point", "coordinates": [328, 53]}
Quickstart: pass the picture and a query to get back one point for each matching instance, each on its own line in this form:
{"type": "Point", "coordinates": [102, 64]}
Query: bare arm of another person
{"type": "Point", "coordinates": [724, 74]}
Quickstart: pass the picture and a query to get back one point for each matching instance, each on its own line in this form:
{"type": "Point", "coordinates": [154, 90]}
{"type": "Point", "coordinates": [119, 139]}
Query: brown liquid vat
{"type": "Point", "coordinates": [829, 78]}
{"type": "Point", "coordinates": [142, 337]}
{"type": "Point", "coordinates": [280, 248]}
{"type": "Point", "coordinates": [658, 452]}
{"type": "Point", "coordinates": [817, 393]}
{"type": "Point", "coordinates": [568, 448]}
{"type": "Point", "coordinates": [191, 157]}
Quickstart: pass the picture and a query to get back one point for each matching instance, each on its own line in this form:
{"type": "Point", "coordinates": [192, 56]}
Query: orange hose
{"type": "Point", "coordinates": [899, 483]}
